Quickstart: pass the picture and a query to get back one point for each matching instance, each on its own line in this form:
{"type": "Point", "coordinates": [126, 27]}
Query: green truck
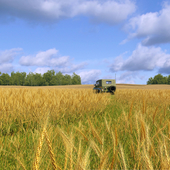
{"type": "Point", "coordinates": [105, 86]}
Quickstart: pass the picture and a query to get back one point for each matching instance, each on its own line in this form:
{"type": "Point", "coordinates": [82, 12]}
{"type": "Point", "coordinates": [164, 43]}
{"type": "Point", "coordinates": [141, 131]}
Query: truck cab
{"type": "Point", "coordinates": [105, 86]}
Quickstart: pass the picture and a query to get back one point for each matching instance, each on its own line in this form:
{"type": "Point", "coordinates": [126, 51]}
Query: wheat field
{"type": "Point", "coordinates": [76, 129]}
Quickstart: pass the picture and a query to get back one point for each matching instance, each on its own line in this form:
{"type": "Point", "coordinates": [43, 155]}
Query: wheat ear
{"type": "Point", "coordinates": [50, 151]}
{"type": "Point", "coordinates": [94, 132]}
{"type": "Point", "coordinates": [81, 133]}
{"type": "Point", "coordinates": [123, 157]}
{"type": "Point", "coordinates": [37, 158]}
{"type": "Point", "coordinates": [85, 162]}
{"type": "Point", "coordinates": [71, 152]}
{"type": "Point", "coordinates": [147, 160]}
{"type": "Point", "coordinates": [79, 158]}
{"type": "Point", "coordinates": [107, 125]}
{"type": "Point", "coordinates": [130, 111]}
{"type": "Point", "coordinates": [167, 156]}
{"type": "Point", "coordinates": [104, 160]}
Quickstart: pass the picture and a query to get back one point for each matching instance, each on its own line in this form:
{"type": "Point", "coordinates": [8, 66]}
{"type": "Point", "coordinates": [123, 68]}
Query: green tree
{"type": "Point", "coordinates": [49, 76]}
{"type": "Point", "coordinates": [18, 78]}
{"type": "Point", "coordinates": [53, 81]}
{"type": "Point", "coordinates": [38, 80]}
{"type": "Point", "coordinates": [67, 79]}
{"type": "Point", "coordinates": [31, 79]}
{"type": "Point", "coordinates": [150, 81]}
{"type": "Point", "coordinates": [5, 79]}
{"type": "Point", "coordinates": [159, 79]}
{"type": "Point", "coordinates": [76, 79]}
{"type": "Point", "coordinates": [59, 78]}
{"type": "Point", "coordinates": [168, 79]}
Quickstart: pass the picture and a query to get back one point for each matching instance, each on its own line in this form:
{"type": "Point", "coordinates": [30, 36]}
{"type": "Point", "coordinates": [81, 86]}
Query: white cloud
{"type": "Point", "coordinates": [143, 58]}
{"type": "Point", "coordinates": [166, 67]}
{"type": "Point", "coordinates": [42, 70]}
{"type": "Point", "coordinates": [89, 77]}
{"type": "Point", "coordinates": [6, 68]}
{"type": "Point", "coordinates": [49, 59]}
{"type": "Point", "coordinates": [153, 27]}
{"type": "Point", "coordinates": [71, 68]}
{"type": "Point", "coordinates": [127, 77]}
{"type": "Point", "coordinates": [8, 55]}
{"type": "Point", "coordinates": [108, 11]}
{"type": "Point", "coordinates": [6, 59]}
{"type": "Point", "coordinates": [45, 58]}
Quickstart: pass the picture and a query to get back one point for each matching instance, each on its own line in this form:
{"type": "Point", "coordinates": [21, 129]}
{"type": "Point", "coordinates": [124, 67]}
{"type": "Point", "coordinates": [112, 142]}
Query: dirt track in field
{"type": "Point", "coordinates": [118, 86]}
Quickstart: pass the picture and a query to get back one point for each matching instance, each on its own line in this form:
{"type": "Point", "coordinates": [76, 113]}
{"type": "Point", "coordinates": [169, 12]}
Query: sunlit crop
{"type": "Point", "coordinates": [49, 128]}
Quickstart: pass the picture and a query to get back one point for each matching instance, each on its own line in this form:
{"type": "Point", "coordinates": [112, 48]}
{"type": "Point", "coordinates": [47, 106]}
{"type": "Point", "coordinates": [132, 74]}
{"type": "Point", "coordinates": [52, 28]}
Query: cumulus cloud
{"type": "Point", "coordinates": [127, 77]}
{"type": "Point", "coordinates": [6, 59]}
{"type": "Point", "coordinates": [89, 77]}
{"type": "Point", "coordinates": [42, 70]}
{"type": "Point", "coordinates": [49, 59]}
{"type": "Point", "coordinates": [109, 11]}
{"type": "Point", "coordinates": [166, 67]}
{"type": "Point", "coordinates": [6, 68]}
{"type": "Point", "coordinates": [71, 68]}
{"type": "Point", "coordinates": [8, 55]}
{"type": "Point", "coordinates": [143, 58]}
{"type": "Point", "coordinates": [153, 27]}
{"type": "Point", "coordinates": [45, 58]}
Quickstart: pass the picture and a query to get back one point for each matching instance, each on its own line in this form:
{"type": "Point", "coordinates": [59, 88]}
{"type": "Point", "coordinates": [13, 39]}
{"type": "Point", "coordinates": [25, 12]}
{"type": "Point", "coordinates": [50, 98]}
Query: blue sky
{"type": "Point", "coordinates": [93, 38]}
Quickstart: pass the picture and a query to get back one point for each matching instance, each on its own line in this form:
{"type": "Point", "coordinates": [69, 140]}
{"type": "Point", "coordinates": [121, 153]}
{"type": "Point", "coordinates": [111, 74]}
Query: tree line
{"type": "Point", "coordinates": [50, 78]}
{"type": "Point", "coordinates": [159, 79]}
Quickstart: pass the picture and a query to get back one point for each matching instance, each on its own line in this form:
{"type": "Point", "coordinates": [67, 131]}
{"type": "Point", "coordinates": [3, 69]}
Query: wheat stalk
{"type": "Point", "coordinates": [143, 130]}
{"type": "Point", "coordinates": [81, 133]}
{"type": "Point", "coordinates": [50, 150]}
{"type": "Point", "coordinates": [155, 114]}
{"type": "Point", "coordinates": [66, 140]}
{"type": "Point", "coordinates": [166, 154]}
{"type": "Point", "coordinates": [66, 158]}
{"type": "Point", "coordinates": [71, 153]}
{"type": "Point", "coordinates": [96, 149]}
{"type": "Point", "coordinates": [147, 160]}
{"type": "Point", "coordinates": [107, 125]}
{"type": "Point", "coordinates": [114, 143]}
{"type": "Point", "coordinates": [94, 132]}
{"type": "Point", "coordinates": [116, 136]}
{"type": "Point", "coordinates": [159, 130]}
{"type": "Point", "coordinates": [130, 111]}
{"type": "Point", "coordinates": [143, 106]}
{"type": "Point", "coordinates": [37, 158]}
{"type": "Point", "coordinates": [123, 157]}
{"type": "Point", "coordinates": [138, 132]}
{"type": "Point", "coordinates": [79, 157]}
{"type": "Point", "coordinates": [103, 160]}
{"type": "Point", "coordinates": [169, 129]}
{"type": "Point", "coordinates": [147, 139]}
{"type": "Point", "coordinates": [85, 161]}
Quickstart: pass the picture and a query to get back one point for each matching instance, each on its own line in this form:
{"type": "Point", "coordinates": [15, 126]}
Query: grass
{"type": "Point", "coordinates": [63, 129]}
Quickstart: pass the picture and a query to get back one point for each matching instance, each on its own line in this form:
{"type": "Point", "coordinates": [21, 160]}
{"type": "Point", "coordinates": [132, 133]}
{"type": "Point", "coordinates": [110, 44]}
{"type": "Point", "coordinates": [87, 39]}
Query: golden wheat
{"type": "Point", "coordinates": [143, 121]}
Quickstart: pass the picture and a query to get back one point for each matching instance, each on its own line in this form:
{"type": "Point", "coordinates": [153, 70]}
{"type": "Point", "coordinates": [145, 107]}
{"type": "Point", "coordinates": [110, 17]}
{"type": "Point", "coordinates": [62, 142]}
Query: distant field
{"type": "Point", "coordinates": [136, 86]}
{"type": "Point", "coordinates": [90, 86]}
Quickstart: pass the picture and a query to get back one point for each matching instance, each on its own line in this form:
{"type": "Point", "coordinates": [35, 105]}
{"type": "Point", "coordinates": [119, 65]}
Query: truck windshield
{"type": "Point", "coordinates": [108, 82]}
